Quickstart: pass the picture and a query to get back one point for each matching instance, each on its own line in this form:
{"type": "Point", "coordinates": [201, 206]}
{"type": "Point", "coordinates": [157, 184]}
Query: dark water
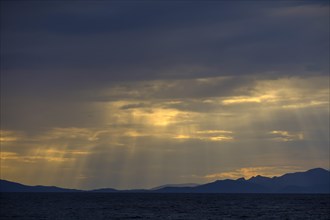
{"type": "Point", "coordinates": [162, 206]}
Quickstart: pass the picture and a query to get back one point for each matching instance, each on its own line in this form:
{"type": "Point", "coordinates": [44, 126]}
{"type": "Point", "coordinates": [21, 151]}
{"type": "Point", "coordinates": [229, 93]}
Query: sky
{"type": "Point", "coordinates": [136, 94]}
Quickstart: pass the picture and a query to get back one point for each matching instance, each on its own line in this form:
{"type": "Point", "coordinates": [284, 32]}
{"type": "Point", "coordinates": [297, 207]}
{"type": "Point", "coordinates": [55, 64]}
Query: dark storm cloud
{"type": "Point", "coordinates": [57, 56]}
{"type": "Point", "coordinates": [91, 44]}
{"type": "Point", "coordinates": [130, 106]}
{"type": "Point", "coordinates": [100, 16]}
{"type": "Point", "coordinates": [177, 89]}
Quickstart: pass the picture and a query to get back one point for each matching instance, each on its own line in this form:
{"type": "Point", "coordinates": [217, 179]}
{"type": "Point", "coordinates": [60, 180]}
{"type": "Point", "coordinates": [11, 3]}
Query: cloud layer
{"type": "Point", "coordinates": [126, 95]}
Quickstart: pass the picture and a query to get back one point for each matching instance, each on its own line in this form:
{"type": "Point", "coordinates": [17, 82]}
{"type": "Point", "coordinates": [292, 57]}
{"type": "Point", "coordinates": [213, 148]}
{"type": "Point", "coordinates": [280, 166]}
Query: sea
{"type": "Point", "coordinates": [93, 206]}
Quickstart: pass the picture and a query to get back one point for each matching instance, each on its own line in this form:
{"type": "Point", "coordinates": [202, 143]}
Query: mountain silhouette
{"type": "Point", "coordinates": [312, 181]}
{"type": "Point", "coordinates": [7, 186]}
{"type": "Point", "coordinates": [175, 186]}
{"type": "Point", "coordinates": [103, 190]}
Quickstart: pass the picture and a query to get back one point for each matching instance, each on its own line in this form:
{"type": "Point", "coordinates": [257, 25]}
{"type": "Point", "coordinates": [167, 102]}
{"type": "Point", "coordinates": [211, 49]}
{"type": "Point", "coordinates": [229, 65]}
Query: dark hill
{"type": "Point", "coordinates": [7, 186]}
{"type": "Point", "coordinates": [312, 181]}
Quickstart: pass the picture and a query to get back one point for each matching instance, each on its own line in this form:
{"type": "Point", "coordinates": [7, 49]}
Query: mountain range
{"type": "Point", "coordinates": [311, 181]}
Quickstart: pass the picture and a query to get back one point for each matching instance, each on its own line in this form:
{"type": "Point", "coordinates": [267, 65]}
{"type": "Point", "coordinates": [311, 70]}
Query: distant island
{"type": "Point", "coordinates": [311, 181]}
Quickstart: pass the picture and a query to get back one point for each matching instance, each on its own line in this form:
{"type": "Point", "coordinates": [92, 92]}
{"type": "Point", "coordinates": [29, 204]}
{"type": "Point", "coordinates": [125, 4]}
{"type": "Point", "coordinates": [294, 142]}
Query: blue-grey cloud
{"type": "Point", "coordinates": [87, 45]}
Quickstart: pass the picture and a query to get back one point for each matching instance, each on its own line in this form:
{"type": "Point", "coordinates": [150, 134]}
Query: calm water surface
{"type": "Point", "coordinates": [162, 206]}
